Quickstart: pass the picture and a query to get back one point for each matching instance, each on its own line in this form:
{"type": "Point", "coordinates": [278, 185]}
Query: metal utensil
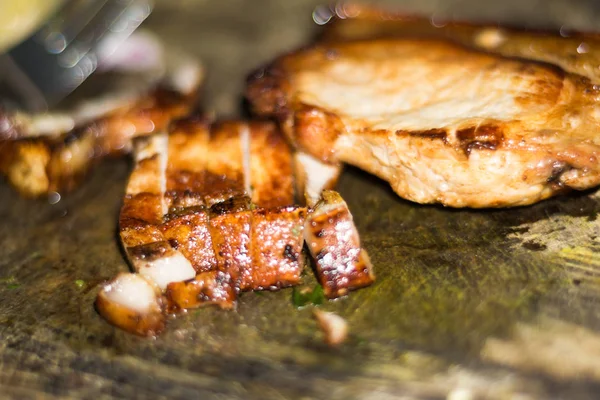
{"type": "Point", "coordinates": [51, 63]}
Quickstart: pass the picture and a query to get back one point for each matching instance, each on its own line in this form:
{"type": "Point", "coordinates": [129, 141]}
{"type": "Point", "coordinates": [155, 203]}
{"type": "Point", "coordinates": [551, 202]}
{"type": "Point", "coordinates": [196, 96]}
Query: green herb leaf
{"type": "Point", "coordinates": [296, 230]}
{"type": "Point", "coordinates": [318, 295]}
{"type": "Point", "coordinates": [10, 279]}
{"type": "Point", "coordinates": [80, 283]}
{"type": "Point", "coordinates": [10, 282]}
{"type": "Point", "coordinates": [302, 297]}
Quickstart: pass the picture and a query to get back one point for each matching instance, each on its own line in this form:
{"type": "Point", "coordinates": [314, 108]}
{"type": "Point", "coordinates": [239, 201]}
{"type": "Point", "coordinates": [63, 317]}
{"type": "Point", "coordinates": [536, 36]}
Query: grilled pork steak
{"type": "Point", "coordinates": [439, 121]}
{"type": "Point", "coordinates": [209, 212]}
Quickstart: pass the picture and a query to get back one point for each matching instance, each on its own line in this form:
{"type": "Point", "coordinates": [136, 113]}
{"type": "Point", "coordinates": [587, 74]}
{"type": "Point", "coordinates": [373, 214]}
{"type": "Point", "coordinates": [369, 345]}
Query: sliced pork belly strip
{"type": "Point", "coordinates": [276, 249]}
{"type": "Point", "coordinates": [133, 304]}
{"type": "Point", "coordinates": [225, 169]}
{"type": "Point", "coordinates": [333, 241]}
{"type": "Point", "coordinates": [143, 209]}
{"type": "Point", "coordinates": [228, 243]}
{"type": "Point", "coordinates": [144, 202]}
{"type": "Point", "coordinates": [230, 229]}
{"type": "Point", "coordinates": [270, 166]}
{"type": "Point", "coordinates": [207, 288]}
{"type": "Point", "coordinates": [449, 125]}
{"type": "Point", "coordinates": [187, 231]}
{"type": "Point", "coordinates": [219, 247]}
{"type": "Point", "coordinates": [186, 169]}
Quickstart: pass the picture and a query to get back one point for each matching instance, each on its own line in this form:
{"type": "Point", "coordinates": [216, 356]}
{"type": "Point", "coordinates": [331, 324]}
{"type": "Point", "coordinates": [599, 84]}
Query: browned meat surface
{"type": "Point", "coordinates": [52, 151]}
{"type": "Point", "coordinates": [150, 252]}
{"type": "Point", "coordinates": [270, 166]}
{"type": "Point", "coordinates": [188, 232]}
{"type": "Point", "coordinates": [439, 121]}
{"type": "Point", "coordinates": [208, 288]}
{"type": "Point", "coordinates": [132, 304]}
{"type": "Point", "coordinates": [341, 264]}
{"type": "Point", "coordinates": [208, 212]}
{"type": "Point", "coordinates": [39, 166]}
{"type": "Point", "coordinates": [275, 249]}
{"type": "Point", "coordinates": [35, 166]}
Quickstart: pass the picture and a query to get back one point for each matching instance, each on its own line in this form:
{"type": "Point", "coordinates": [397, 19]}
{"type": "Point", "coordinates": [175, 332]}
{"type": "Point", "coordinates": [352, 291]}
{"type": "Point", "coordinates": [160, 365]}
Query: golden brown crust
{"type": "Point", "coordinates": [208, 288]}
{"type": "Point", "coordinates": [24, 164]}
{"type": "Point", "coordinates": [341, 264]}
{"type": "Point", "coordinates": [188, 232]}
{"type": "Point", "coordinates": [271, 178]}
{"type": "Point", "coordinates": [315, 132]}
{"type": "Point", "coordinates": [276, 249]}
{"type": "Point", "coordinates": [184, 210]}
{"type": "Point", "coordinates": [230, 233]}
{"type": "Point", "coordinates": [148, 324]}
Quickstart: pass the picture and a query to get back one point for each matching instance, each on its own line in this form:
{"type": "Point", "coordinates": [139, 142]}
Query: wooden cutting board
{"type": "Point", "coordinates": [467, 304]}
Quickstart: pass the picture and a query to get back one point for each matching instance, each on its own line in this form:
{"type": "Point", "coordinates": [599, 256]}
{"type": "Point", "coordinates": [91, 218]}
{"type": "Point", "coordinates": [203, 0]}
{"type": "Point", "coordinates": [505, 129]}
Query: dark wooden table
{"type": "Point", "coordinates": [467, 304]}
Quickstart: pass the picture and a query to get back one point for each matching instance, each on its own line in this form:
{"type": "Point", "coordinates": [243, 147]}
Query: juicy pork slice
{"type": "Point", "coordinates": [275, 249]}
{"type": "Point", "coordinates": [256, 249]}
{"type": "Point", "coordinates": [269, 166]}
{"type": "Point", "coordinates": [151, 255]}
{"type": "Point", "coordinates": [217, 176]}
{"type": "Point", "coordinates": [212, 287]}
{"type": "Point", "coordinates": [133, 304]}
{"type": "Point", "coordinates": [438, 121]}
{"type": "Point", "coordinates": [208, 213]}
{"type": "Point", "coordinates": [53, 151]}
{"type": "Point", "coordinates": [333, 241]}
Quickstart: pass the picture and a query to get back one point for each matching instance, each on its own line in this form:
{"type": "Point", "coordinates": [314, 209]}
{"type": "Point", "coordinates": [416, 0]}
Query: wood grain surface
{"type": "Point", "coordinates": [468, 304]}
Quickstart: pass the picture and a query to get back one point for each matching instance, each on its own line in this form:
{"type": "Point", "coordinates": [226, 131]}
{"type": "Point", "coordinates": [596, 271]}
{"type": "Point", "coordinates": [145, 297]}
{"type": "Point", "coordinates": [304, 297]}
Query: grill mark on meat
{"type": "Point", "coordinates": [150, 251]}
{"type": "Point", "coordinates": [434, 134]}
{"type": "Point", "coordinates": [481, 137]}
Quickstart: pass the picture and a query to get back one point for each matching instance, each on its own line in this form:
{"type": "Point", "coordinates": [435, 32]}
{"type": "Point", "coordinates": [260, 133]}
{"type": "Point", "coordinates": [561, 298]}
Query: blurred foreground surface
{"type": "Point", "coordinates": [479, 304]}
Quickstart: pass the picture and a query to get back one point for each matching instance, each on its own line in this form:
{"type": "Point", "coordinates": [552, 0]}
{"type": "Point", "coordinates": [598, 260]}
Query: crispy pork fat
{"type": "Point", "coordinates": [209, 212]}
{"type": "Point", "coordinates": [442, 122]}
